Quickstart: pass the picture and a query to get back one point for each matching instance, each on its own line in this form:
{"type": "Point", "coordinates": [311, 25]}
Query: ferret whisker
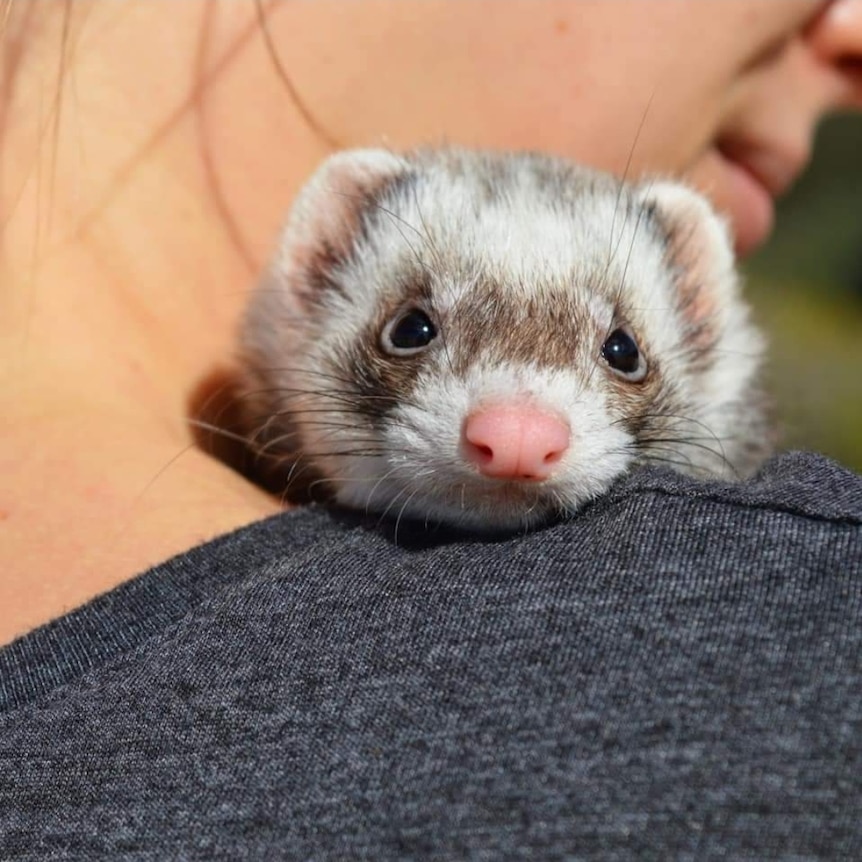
{"type": "Point", "coordinates": [332, 418]}
{"type": "Point", "coordinates": [512, 258]}
{"type": "Point", "coordinates": [711, 435]}
{"type": "Point", "coordinates": [357, 405]}
{"type": "Point", "coordinates": [635, 229]}
{"type": "Point", "coordinates": [678, 463]}
{"type": "Point", "coordinates": [711, 350]}
{"type": "Point", "coordinates": [305, 371]}
{"type": "Point", "coordinates": [359, 448]}
{"type": "Point", "coordinates": [311, 372]}
{"type": "Point", "coordinates": [215, 429]}
{"type": "Point", "coordinates": [269, 449]}
{"type": "Point", "coordinates": [322, 481]}
{"type": "Point", "coordinates": [531, 508]}
{"type": "Point", "coordinates": [621, 282]}
{"type": "Point", "coordinates": [669, 450]}
{"type": "Point", "coordinates": [247, 442]}
{"type": "Point", "coordinates": [337, 427]}
{"type": "Point", "coordinates": [623, 180]}
{"type": "Point", "coordinates": [348, 453]}
{"type": "Point", "coordinates": [336, 437]}
{"type": "Point", "coordinates": [419, 259]}
{"type": "Point", "coordinates": [368, 443]}
{"type": "Point", "coordinates": [282, 460]}
{"type": "Point", "coordinates": [612, 251]}
{"type": "Point", "coordinates": [434, 268]}
{"type": "Point", "coordinates": [667, 428]}
{"type": "Point", "coordinates": [369, 434]}
{"type": "Point", "coordinates": [340, 480]}
{"type": "Point", "coordinates": [381, 479]}
{"type": "Point", "coordinates": [440, 270]}
{"type": "Point", "coordinates": [649, 436]}
{"type": "Point", "coordinates": [559, 500]}
{"type": "Point", "coordinates": [678, 444]}
{"type": "Point", "coordinates": [437, 257]}
{"type": "Point", "coordinates": [316, 411]}
{"type": "Point", "coordinates": [680, 417]}
{"type": "Point", "coordinates": [353, 446]}
{"type": "Point", "coordinates": [401, 515]}
{"type": "Point", "coordinates": [349, 449]}
{"type": "Point", "coordinates": [298, 467]}
{"type": "Point", "coordinates": [296, 392]}
{"type": "Point", "coordinates": [294, 475]}
{"type": "Point", "coordinates": [367, 201]}
{"type": "Point", "coordinates": [163, 469]}
{"type": "Point", "coordinates": [673, 445]}
{"type": "Point", "coordinates": [444, 335]}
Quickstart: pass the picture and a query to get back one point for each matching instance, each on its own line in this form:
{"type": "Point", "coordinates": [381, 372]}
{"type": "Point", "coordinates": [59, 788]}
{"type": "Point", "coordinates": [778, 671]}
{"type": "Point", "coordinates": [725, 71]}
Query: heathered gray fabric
{"type": "Point", "coordinates": [675, 673]}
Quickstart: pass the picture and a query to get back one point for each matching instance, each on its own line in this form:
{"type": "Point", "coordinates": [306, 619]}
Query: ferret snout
{"type": "Point", "coordinates": [514, 441]}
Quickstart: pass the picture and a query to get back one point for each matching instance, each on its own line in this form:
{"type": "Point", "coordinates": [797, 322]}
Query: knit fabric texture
{"type": "Point", "coordinates": [674, 673]}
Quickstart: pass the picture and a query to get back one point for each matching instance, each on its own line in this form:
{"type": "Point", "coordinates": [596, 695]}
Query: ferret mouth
{"type": "Point", "coordinates": [505, 505]}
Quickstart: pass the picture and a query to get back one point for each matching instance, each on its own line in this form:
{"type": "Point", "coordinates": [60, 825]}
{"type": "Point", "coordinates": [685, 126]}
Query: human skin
{"type": "Point", "coordinates": [142, 190]}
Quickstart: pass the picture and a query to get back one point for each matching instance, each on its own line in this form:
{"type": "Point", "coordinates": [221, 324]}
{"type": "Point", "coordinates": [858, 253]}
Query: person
{"type": "Point", "coordinates": [191, 671]}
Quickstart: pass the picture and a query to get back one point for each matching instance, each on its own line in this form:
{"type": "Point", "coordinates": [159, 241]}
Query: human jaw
{"type": "Point", "coordinates": [759, 149]}
{"type": "Point", "coordinates": [762, 140]}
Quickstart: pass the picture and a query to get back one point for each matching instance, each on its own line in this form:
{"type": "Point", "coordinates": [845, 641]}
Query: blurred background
{"type": "Point", "coordinates": [806, 287]}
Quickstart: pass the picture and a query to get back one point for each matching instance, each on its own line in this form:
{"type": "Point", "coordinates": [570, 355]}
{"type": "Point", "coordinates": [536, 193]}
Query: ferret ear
{"type": "Point", "coordinates": [699, 251]}
{"type": "Point", "coordinates": [327, 211]}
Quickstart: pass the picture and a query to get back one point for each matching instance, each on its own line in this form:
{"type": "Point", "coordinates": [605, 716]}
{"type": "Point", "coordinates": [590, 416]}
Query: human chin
{"type": "Point", "coordinates": [739, 195]}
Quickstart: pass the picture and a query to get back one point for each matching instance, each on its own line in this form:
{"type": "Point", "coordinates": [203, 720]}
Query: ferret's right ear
{"type": "Point", "coordinates": [327, 211]}
{"type": "Point", "coordinates": [700, 249]}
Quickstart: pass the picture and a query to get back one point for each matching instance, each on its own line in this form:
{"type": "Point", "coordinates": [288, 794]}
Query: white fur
{"type": "Point", "coordinates": [425, 441]}
{"type": "Point", "coordinates": [548, 230]}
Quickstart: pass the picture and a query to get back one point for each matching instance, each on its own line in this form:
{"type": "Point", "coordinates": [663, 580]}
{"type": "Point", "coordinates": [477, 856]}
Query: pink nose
{"type": "Point", "coordinates": [515, 441]}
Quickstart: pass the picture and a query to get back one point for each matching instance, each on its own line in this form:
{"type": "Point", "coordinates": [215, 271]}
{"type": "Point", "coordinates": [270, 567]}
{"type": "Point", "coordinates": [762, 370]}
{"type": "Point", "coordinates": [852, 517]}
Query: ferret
{"type": "Point", "coordinates": [490, 340]}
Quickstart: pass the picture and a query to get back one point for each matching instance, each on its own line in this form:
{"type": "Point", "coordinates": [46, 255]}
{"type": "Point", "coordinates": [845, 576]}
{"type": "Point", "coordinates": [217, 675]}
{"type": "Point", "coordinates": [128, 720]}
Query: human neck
{"type": "Point", "coordinates": [128, 221]}
{"type": "Point", "coordinates": [123, 300]}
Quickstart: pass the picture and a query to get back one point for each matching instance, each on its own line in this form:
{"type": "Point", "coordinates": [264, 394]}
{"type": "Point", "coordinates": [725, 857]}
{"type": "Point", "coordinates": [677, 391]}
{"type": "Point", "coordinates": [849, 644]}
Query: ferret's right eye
{"type": "Point", "coordinates": [408, 333]}
{"type": "Point", "coordinates": [623, 355]}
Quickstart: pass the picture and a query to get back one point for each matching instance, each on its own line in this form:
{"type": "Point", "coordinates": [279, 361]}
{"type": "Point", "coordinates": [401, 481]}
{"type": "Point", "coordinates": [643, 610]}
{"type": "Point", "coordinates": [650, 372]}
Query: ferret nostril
{"type": "Point", "coordinates": [553, 457]}
{"type": "Point", "coordinates": [484, 450]}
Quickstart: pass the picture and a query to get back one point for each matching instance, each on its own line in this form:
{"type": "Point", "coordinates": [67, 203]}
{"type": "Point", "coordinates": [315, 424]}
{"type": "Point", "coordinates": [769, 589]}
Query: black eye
{"type": "Point", "coordinates": [621, 352]}
{"type": "Point", "coordinates": [408, 333]}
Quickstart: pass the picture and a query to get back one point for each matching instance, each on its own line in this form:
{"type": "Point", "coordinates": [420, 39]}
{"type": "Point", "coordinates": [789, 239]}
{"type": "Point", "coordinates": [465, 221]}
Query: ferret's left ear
{"type": "Point", "coordinates": [699, 250]}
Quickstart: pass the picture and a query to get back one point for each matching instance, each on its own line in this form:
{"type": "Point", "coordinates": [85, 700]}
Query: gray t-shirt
{"type": "Point", "coordinates": [674, 673]}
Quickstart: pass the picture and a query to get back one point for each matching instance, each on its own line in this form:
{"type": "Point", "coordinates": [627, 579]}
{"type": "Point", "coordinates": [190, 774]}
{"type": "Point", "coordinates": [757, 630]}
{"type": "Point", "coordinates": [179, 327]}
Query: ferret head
{"type": "Point", "coordinates": [492, 340]}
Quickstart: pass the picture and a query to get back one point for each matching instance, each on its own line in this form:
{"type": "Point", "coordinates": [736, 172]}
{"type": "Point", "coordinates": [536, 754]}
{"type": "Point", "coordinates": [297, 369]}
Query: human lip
{"type": "Point", "coordinates": [774, 168]}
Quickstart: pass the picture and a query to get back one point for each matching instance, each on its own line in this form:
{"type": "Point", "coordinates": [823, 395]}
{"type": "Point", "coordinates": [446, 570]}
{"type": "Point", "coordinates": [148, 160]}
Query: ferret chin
{"type": "Point", "coordinates": [490, 340]}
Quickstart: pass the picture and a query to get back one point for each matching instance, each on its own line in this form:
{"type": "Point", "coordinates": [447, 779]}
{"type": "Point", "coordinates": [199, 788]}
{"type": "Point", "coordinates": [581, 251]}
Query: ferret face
{"type": "Point", "coordinates": [492, 340]}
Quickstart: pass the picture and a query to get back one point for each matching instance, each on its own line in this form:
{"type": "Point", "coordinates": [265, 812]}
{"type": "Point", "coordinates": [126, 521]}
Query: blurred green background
{"type": "Point", "coordinates": [806, 286]}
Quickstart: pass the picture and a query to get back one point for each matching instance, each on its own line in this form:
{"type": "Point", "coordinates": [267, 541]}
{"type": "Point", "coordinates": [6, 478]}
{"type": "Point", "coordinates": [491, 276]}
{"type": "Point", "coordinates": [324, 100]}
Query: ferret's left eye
{"type": "Point", "coordinates": [408, 333]}
{"type": "Point", "coordinates": [622, 354]}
